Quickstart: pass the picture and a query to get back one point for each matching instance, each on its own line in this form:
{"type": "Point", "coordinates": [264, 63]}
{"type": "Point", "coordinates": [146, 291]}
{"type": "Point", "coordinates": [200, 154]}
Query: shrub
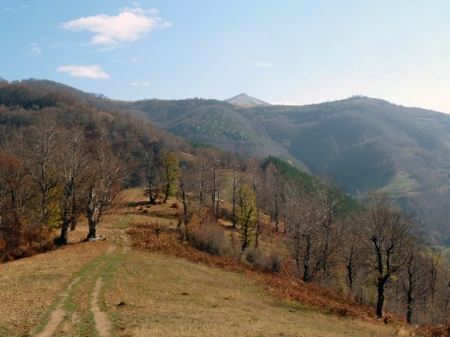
{"type": "Point", "coordinates": [269, 262]}
{"type": "Point", "coordinates": [210, 238]}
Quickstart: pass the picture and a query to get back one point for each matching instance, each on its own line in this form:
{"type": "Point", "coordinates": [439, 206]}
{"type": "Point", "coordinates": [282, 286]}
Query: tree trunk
{"type": "Point", "coordinates": [380, 300]}
{"type": "Point", "coordinates": [63, 238]}
{"type": "Point", "coordinates": [234, 200]}
{"type": "Point", "coordinates": [167, 193]}
{"type": "Point", "coordinates": [306, 262]}
{"type": "Point", "coordinates": [92, 229]}
{"type": "Point", "coordinates": [409, 310]}
{"type": "Point", "coordinates": [351, 269]}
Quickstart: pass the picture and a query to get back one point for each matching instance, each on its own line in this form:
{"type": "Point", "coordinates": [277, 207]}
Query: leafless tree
{"type": "Point", "coordinates": [106, 178]}
{"type": "Point", "coordinates": [329, 199]}
{"type": "Point", "coordinates": [73, 161]}
{"type": "Point", "coordinates": [254, 173]}
{"type": "Point", "coordinates": [387, 234]}
{"type": "Point", "coordinates": [43, 138]}
{"type": "Point", "coordinates": [413, 278]}
{"type": "Point", "coordinates": [217, 184]}
{"type": "Point", "coordinates": [149, 164]}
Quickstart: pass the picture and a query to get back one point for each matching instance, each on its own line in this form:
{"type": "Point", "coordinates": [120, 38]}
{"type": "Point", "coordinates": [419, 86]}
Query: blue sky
{"type": "Point", "coordinates": [297, 52]}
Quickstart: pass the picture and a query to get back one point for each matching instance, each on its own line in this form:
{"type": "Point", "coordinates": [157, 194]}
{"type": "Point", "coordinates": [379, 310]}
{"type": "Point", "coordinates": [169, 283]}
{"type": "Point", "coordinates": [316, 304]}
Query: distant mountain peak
{"type": "Point", "coordinates": [245, 100]}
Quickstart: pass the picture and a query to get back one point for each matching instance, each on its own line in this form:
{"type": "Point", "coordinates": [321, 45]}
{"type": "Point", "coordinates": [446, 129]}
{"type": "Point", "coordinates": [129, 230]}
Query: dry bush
{"type": "Point", "coordinates": [266, 261]}
{"type": "Point", "coordinates": [210, 238]}
{"type": "Point", "coordinates": [156, 238]}
{"type": "Point", "coordinates": [434, 330]}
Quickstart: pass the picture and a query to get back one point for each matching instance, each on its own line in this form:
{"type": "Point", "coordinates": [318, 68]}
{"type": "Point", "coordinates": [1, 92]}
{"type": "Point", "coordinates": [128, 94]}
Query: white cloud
{"type": "Point", "coordinates": [94, 72]}
{"type": "Point", "coordinates": [263, 64]}
{"type": "Point", "coordinates": [134, 59]}
{"type": "Point", "coordinates": [144, 84]}
{"type": "Point", "coordinates": [35, 49]}
{"type": "Point", "coordinates": [111, 31]}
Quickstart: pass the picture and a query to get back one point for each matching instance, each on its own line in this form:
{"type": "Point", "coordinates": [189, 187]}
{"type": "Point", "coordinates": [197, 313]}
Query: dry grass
{"type": "Point", "coordinates": [280, 285]}
{"type": "Point", "coordinates": [157, 295]}
{"type": "Point", "coordinates": [29, 287]}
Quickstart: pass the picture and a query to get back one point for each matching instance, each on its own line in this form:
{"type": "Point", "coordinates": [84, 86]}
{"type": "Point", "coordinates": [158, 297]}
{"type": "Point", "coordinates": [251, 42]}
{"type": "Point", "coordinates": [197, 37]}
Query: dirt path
{"type": "Point", "coordinates": [63, 319]}
{"type": "Point", "coordinates": [58, 314]}
{"type": "Point", "coordinates": [102, 322]}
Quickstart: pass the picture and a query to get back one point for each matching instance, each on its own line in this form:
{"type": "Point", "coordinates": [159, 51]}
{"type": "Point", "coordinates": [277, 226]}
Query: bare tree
{"type": "Point", "coordinates": [217, 184]}
{"type": "Point", "coordinates": [200, 172]}
{"type": "Point", "coordinates": [352, 250]}
{"type": "Point", "coordinates": [387, 232]}
{"type": "Point", "coordinates": [329, 199]}
{"type": "Point", "coordinates": [73, 153]}
{"type": "Point", "coordinates": [306, 231]}
{"type": "Point", "coordinates": [412, 278]}
{"type": "Point", "coordinates": [106, 177]}
{"type": "Point", "coordinates": [150, 168]}
{"type": "Point", "coordinates": [186, 204]}
{"type": "Point", "coordinates": [43, 158]}
{"type": "Point", "coordinates": [254, 177]}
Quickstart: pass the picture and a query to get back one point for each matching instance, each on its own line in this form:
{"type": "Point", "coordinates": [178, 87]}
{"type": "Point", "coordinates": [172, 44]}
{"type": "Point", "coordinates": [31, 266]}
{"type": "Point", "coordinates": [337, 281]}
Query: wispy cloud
{"type": "Point", "coordinates": [112, 31]}
{"type": "Point", "coordinates": [263, 64]}
{"type": "Point", "coordinates": [92, 71]}
{"type": "Point", "coordinates": [35, 49]}
{"type": "Point", "coordinates": [14, 10]}
{"type": "Point", "coordinates": [143, 84]}
{"type": "Point", "coordinates": [134, 59]}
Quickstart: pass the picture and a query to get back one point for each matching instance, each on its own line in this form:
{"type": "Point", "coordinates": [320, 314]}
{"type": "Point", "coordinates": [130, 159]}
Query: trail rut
{"type": "Point", "coordinates": [91, 276]}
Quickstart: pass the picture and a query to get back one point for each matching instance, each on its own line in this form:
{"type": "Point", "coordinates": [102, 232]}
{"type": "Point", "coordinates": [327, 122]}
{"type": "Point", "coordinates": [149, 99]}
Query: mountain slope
{"type": "Point", "coordinates": [209, 121]}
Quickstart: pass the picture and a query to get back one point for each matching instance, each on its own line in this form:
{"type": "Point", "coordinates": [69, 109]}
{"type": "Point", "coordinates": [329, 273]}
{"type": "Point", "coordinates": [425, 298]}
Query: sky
{"type": "Point", "coordinates": [282, 52]}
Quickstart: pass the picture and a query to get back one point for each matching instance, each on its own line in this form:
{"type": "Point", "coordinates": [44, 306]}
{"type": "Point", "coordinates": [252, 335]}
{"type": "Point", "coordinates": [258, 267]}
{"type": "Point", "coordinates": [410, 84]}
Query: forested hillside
{"type": "Point", "coordinates": [365, 143]}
